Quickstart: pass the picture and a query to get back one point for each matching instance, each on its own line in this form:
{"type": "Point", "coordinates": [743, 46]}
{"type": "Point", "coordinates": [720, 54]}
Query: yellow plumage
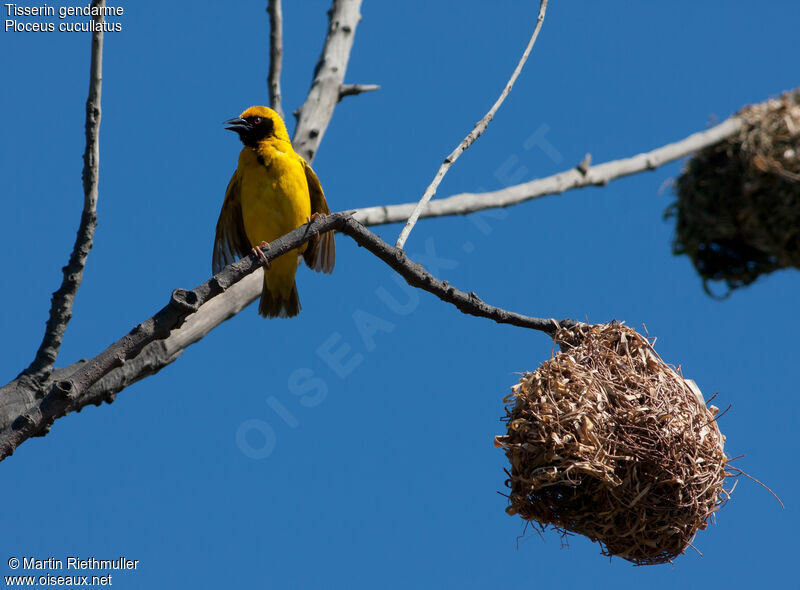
{"type": "Point", "coordinates": [272, 192]}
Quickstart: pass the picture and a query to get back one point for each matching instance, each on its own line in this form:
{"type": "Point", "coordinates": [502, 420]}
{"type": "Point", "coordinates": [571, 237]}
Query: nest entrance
{"type": "Point", "coordinates": [607, 441]}
{"type": "Point", "coordinates": [738, 206]}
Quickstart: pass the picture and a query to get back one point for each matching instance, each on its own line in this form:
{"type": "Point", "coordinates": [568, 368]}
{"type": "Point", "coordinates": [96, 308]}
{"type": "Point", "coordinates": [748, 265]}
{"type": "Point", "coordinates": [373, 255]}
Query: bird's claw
{"type": "Point", "coordinates": [258, 252]}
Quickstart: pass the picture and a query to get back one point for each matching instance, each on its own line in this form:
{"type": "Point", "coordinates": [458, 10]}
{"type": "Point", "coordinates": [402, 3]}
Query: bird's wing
{"type": "Point", "coordinates": [320, 253]}
{"type": "Point", "coordinates": [231, 239]}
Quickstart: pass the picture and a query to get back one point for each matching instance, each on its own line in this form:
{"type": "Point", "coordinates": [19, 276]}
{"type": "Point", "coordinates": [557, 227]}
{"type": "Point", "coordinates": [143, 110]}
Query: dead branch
{"type": "Point", "coordinates": [74, 391]}
{"type": "Point", "coordinates": [476, 132]}
{"type": "Point", "coordinates": [275, 54]}
{"type": "Point", "coordinates": [355, 89]}
{"type": "Point", "coordinates": [315, 114]}
{"type": "Point", "coordinates": [64, 297]}
{"type": "Point", "coordinates": [598, 175]}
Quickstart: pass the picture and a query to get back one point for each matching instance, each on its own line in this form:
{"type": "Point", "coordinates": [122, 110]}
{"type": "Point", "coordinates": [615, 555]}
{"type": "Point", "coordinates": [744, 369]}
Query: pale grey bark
{"type": "Point", "coordinates": [315, 114]}
{"type": "Point", "coordinates": [275, 54]}
{"type": "Point", "coordinates": [579, 177]}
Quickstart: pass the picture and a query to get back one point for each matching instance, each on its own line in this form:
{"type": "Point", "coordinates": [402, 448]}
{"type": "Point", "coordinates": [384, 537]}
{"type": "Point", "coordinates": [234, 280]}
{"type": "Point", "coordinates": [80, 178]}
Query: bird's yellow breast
{"type": "Point", "coordinates": [274, 192]}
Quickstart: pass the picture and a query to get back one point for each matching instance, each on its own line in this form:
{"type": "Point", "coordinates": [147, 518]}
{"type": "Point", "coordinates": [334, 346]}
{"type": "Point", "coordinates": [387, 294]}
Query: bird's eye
{"type": "Point", "coordinates": [257, 120]}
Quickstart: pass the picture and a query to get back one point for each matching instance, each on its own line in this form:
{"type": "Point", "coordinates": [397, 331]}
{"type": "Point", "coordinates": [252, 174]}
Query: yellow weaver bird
{"type": "Point", "coordinates": [272, 192]}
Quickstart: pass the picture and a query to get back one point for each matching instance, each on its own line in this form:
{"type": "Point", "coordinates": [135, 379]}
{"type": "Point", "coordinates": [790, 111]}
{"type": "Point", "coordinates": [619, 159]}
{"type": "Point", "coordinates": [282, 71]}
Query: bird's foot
{"type": "Point", "coordinates": [260, 254]}
{"type": "Point", "coordinates": [314, 216]}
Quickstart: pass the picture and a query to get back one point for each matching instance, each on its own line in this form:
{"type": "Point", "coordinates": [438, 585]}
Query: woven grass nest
{"type": "Point", "coordinates": [738, 205]}
{"type": "Point", "coordinates": [608, 441]}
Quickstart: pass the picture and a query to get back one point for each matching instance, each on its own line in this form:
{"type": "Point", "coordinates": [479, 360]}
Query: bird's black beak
{"type": "Point", "coordinates": [238, 125]}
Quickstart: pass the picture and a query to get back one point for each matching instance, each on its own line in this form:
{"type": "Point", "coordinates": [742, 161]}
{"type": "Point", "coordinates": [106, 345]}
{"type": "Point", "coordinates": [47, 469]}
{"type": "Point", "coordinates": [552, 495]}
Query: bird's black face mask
{"type": "Point", "coordinates": [252, 129]}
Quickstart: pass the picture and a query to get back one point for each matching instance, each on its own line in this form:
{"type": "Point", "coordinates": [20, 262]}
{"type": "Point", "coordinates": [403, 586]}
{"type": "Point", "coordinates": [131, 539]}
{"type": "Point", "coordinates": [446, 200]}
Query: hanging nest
{"type": "Point", "coordinates": [608, 441]}
{"type": "Point", "coordinates": [738, 206]}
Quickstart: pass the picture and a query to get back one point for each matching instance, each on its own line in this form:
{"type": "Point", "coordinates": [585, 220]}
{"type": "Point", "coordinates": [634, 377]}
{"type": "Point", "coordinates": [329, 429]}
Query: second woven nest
{"type": "Point", "coordinates": [738, 206]}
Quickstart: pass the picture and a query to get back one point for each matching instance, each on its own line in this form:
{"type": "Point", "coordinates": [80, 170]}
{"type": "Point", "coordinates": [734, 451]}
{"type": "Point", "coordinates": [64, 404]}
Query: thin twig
{"type": "Point", "coordinates": [598, 175]}
{"type": "Point", "coordinates": [275, 54]}
{"type": "Point", "coordinates": [416, 276]}
{"type": "Point", "coordinates": [315, 114]}
{"type": "Point", "coordinates": [355, 89]}
{"type": "Point", "coordinates": [74, 392]}
{"type": "Point", "coordinates": [476, 132]}
{"type": "Point", "coordinates": [63, 299]}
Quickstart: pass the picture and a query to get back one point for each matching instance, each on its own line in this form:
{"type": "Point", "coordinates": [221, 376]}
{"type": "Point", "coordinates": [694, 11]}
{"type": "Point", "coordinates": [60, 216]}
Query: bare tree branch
{"type": "Point", "coordinates": [354, 89]}
{"type": "Point", "coordinates": [74, 391]}
{"type": "Point", "coordinates": [275, 54]}
{"type": "Point", "coordinates": [476, 132]}
{"type": "Point", "coordinates": [63, 299]}
{"type": "Point", "coordinates": [315, 114]}
{"type": "Point", "coordinates": [578, 177]}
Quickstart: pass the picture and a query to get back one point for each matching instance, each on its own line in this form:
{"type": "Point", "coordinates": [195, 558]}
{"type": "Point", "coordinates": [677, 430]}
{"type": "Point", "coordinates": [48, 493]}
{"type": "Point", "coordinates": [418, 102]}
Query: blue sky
{"type": "Point", "coordinates": [387, 478]}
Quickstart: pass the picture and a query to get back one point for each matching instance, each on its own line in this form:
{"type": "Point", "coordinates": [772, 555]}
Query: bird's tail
{"type": "Point", "coordinates": [274, 305]}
